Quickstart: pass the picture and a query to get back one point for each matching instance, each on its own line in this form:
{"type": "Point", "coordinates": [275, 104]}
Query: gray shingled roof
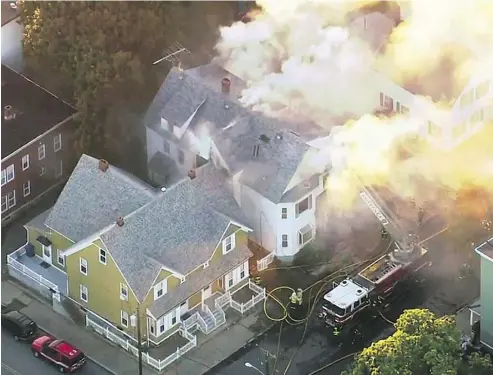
{"type": "Point", "coordinates": [39, 221]}
{"type": "Point", "coordinates": [179, 230]}
{"type": "Point", "coordinates": [92, 199]}
{"type": "Point", "coordinates": [200, 280]}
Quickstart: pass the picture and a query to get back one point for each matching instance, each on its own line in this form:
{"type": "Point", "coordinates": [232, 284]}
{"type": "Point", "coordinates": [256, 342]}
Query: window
{"type": "Point", "coordinates": [162, 327]}
{"type": "Point", "coordinates": [26, 188]}
{"type": "Point", "coordinates": [57, 142]}
{"type": "Point", "coordinates": [284, 240]}
{"type": "Point", "coordinates": [386, 101]}
{"type": "Point", "coordinates": [242, 270]}
{"type": "Point", "coordinates": [229, 278]}
{"type": "Point", "coordinates": [41, 152]}
{"type": "Point", "coordinates": [152, 327]}
{"type": "Point", "coordinates": [397, 106]}
{"type": "Point", "coordinates": [306, 184]}
{"type": "Point", "coordinates": [102, 256]}
{"type": "Point", "coordinates": [123, 292]}
{"type": "Point", "coordinates": [10, 172]}
{"type": "Point", "coordinates": [181, 156]}
{"type": "Point", "coordinates": [124, 318]}
{"type": "Point", "coordinates": [160, 289]}
{"type": "Point", "coordinates": [60, 257]}
{"type": "Point", "coordinates": [305, 204]}
{"type": "Point", "coordinates": [433, 129]}
{"type": "Point", "coordinates": [305, 234]}
{"type": "Point", "coordinates": [166, 146]}
{"type": "Point", "coordinates": [284, 213]}
{"type": "Point", "coordinates": [59, 169]}
{"type": "Point", "coordinates": [83, 266]}
{"type": "Point", "coordinates": [42, 171]}
{"type": "Point", "coordinates": [4, 203]}
{"type": "Point", "coordinates": [25, 162]}
{"type": "Point", "coordinates": [356, 304]}
{"type": "Point", "coordinates": [11, 198]}
{"type": "Point", "coordinates": [173, 318]}
{"type": "Point", "coordinates": [83, 293]}
{"type": "Point", "coordinates": [482, 89]}
{"type": "Point", "coordinates": [4, 176]}
{"type": "Point", "coordinates": [477, 117]}
{"type": "Point", "coordinates": [228, 244]}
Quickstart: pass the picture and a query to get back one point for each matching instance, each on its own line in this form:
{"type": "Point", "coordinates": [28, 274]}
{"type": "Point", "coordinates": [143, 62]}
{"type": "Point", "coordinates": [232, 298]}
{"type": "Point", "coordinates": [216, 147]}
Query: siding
{"type": "Point", "coordinates": [59, 242]}
{"type": "Point", "coordinates": [487, 301]}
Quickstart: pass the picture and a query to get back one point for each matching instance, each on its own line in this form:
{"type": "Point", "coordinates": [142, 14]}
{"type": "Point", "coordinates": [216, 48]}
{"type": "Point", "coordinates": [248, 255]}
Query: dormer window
{"type": "Point", "coordinates": [160, 289]}
{"type": "Point", "coordinates": [228, 244]}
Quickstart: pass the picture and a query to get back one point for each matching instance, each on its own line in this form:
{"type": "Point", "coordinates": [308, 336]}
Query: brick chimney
{"type": "Point", "coordinates": [191, 174]}
{"type": "Point", "coordinates": [225, 85]}
{"type": "Point", "coordinates": [120, 221]}
{"type": "Point", "coordinates": [103, 165]}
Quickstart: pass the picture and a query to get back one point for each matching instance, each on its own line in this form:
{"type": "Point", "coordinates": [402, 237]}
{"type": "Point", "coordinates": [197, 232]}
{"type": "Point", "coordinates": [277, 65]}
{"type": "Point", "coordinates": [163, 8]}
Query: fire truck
{"type": "Point", "coordinates": [376, 285]}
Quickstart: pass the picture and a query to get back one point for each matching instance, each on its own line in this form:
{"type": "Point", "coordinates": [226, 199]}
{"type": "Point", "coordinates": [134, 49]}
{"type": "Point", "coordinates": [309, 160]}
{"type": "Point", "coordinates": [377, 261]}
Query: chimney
{"type": "Point", "coordinates": [225, 85]}
{"type": "Point", "coordinates": [8, 112]}
{"type": "Point", "coordinates": [191, 174]}
{"type": "Point", "coordinates": [120, 221]}
{"type": "Point", "coordinates": [103, 165]}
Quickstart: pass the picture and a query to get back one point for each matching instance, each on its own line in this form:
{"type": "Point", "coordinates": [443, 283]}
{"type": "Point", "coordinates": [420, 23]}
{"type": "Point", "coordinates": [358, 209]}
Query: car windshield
{"type": "Point", "coordinates": [335, 309]}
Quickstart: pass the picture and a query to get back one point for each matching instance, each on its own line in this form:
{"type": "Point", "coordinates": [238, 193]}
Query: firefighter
{"type": "Point", "coordinates": [384, 234]}
{"type": "Point", "coordinates": [294, 299]}
{"type": "Point", "coordinates": [299, 296]}
{"type": "Point", "coordinates": [421, 214]}
{"type": "Point", "coordinates": [336, 331]}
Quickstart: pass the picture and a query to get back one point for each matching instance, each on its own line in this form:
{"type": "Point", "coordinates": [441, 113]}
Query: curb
{"type": "Point", "coordinates": [40, 300]}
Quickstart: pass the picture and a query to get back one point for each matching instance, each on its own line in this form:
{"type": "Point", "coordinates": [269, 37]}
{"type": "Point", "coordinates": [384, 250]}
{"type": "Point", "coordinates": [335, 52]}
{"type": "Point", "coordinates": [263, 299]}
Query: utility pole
{"type": "Point", "coordinates": [267, 355]}
{"type": "Point", "coordinates": [139, 343]}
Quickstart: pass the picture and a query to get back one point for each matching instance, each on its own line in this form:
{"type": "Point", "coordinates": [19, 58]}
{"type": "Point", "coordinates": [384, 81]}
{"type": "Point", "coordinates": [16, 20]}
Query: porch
{"type": "Point", "coordinates": [242, 298]}
{"type": "Point", "coordinates": [36, 273]}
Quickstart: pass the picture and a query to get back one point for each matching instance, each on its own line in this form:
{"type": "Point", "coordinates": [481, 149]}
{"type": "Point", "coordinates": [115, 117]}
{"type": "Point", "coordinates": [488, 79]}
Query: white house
{"type": "Point", "coordinates": [12, 32]}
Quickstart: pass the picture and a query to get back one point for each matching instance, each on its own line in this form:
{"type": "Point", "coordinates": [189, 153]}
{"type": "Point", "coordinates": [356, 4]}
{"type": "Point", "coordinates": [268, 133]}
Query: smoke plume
{"type": "Point", "coordinates": [303, 55]}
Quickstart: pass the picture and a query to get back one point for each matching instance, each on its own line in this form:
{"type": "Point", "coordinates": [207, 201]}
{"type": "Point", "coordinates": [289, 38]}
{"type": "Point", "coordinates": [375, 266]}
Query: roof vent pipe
{"type": "Point", "coordinates": [103, 165]}
{"type": "Point", "coordinates": [191, 174]}
{"type": "Point", "coordinates": [225, 85]}
{"type": "Point", "coordinates": [120, 221]}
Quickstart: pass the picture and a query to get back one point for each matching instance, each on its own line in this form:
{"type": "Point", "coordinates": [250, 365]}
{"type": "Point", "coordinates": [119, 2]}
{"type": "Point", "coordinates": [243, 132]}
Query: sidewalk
{"type": "Point", "coordinates": [211, 349]}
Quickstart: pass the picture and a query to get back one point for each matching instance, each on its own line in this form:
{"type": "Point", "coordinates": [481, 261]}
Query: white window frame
{"type": "Point", "coordinates": [243, 269]}
{"type": "Point", "coordinates": [102, 255]}
{"type": "Point", "coordinates": [385, 100]}
{"type": "Point", "coordinates": [83, 290]}
{"type": "Point", "coordinates": [160, 286]}
{"type": "Point", "coordinates": [123, 292]}
{"type": "Point", "coordinates": [26, 189]}
{"type": "Point", "coordinates": [11, 198]}
{"type": "Point", "coordinates": [59, 169]}
{"type": "Point", "coordinates": [5, 205]}
{"type": "Point", "coordinates": [25, 162]}
{"type": "Point", "coordinates": [83, 264]}
{"type": "Point", "coordinates": [42, 172]}
{"type": "Point", "coordinates": [4, 176]}
{"type": "Point", "coordinates": [284, 213]}
{"type": "Point", "coordinates": [57, 139]}
{"type": "Point", "coordinates": [10, 173]}
{"type": "Point", "coordinates": [124, 318]}
{"type": "Point", "coordinates": [229, 241]}
{"type": "Point", "coordinates": [310, 205]}
{"type": "Point", "coordinates": [301, 241]}
{"type": "Point", "coordinates": [60, 258]}
{"type": "Point", "coordinates": [284, 240]}
{"type": "Point", "coordinates": [41, 152]}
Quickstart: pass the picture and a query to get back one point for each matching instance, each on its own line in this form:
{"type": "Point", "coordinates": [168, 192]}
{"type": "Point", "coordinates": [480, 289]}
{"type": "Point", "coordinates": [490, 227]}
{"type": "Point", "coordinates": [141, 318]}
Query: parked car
{"type": "Point", "coordinates": [19, 325]}
{"type": "Point", "coordinates": [63, 355]}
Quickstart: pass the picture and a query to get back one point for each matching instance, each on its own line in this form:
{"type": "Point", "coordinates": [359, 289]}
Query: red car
{"type": "Point", "coordinates": [63, 355]}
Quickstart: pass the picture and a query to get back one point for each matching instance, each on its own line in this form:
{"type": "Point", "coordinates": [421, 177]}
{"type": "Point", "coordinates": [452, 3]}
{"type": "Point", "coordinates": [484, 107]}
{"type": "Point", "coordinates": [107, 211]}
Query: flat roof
{"type": "Point", "coordinates": [36, 109]}
{"type": "Point", "coordinates": [486, 249]}
{"type": "Point", "coordinates": [345, 294]}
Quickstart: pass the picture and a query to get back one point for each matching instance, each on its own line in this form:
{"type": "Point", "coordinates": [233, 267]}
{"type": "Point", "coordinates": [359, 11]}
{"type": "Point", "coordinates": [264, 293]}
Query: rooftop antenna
{"type": "Point", "coordinates": [171, 54]}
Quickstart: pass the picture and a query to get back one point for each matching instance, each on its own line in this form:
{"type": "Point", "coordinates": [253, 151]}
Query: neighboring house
{"type": "Point", "coordinates": [124, 247]}
{"type": "Point", "coordinates": [37, 136]}
{"type": "Point", "coordinates": [12, 34]}
{"type": "Point", "coordinates": [196, 117]}
{"type": "Point", "coordinates": [483, 308]}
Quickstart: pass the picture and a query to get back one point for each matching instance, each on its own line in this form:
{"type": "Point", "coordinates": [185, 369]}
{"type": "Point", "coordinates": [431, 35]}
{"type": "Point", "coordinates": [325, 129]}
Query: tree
{"type": "Point", "coordinates": [98, 56]}
{"type": "Point", "coordinates": [422, 344]}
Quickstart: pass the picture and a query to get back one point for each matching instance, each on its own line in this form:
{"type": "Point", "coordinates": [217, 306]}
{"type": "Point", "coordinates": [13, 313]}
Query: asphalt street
{"type": "Point", "coordinates": [17, 359]}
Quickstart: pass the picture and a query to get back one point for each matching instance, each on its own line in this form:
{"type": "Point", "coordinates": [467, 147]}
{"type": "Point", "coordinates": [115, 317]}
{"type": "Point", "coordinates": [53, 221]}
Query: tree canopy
{"type": "Point", "coordinates": [98, 56]}
{"type": "Point", "coordinates": [423, 344]}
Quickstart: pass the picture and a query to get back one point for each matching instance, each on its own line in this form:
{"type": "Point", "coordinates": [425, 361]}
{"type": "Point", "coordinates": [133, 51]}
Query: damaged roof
{"type": "Point", "coordinates": [179, 230]}
{"type": "Point", "coordinates": [93, 199]}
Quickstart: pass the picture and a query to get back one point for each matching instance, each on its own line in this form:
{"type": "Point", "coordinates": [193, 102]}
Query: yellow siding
{"type": "Point", "coordinates": [195, 300]}
{"type": "Point", "coordinates": [241, 238]}
{"type": "Point", "coordinates": [216, 287]}
{"type": "Point", "coordinates": [103, 284]}
{"type": "Point", "coordinates": [172, 282]}
{"type": "Point", "coordinates": [58, 241]}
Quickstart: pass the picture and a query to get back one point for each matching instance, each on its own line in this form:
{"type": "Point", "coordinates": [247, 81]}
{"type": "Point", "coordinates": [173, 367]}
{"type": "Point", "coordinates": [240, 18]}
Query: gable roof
{"type": "Point", "coordinates": [37, 111]}
{"type": "Point", "coordinates": [93, 199]}
{"type": "Point", "coordinates": [178, 231]}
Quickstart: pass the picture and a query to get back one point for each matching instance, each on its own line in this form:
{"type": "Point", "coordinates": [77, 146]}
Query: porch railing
{"type": "Point", "coordinates": [244, 307]}
{"type": "Point", "coordinates": [222, 300]}
{"type": "Point", "coordinates": [255, 288]}
{"type": "Point", "coordinates": [207, 310]}
{"type": "Point", "coordinates": [263, 263]}
{"type": "Point", "coordinates": [11, 261]}
{"type": "Point", "coordinates": [156, 363]}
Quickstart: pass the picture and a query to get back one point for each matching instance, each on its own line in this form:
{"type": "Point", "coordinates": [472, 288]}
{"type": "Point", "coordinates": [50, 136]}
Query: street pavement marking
{"type": "Point", "coordinates": [7, 367]}
{"type": "Point", "coordinates": [433, 235]}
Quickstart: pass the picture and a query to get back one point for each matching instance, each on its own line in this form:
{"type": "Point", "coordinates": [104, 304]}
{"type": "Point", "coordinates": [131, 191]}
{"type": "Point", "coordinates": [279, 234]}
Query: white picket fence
{"type": "Point", "coordinates": [263, 263]}
{"type": "Point", "coordinates": [244, 307]}
{"type": "Point", "coordinates": [156, 363]}
{"type": "Point", "coordinates": [12, 262]}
